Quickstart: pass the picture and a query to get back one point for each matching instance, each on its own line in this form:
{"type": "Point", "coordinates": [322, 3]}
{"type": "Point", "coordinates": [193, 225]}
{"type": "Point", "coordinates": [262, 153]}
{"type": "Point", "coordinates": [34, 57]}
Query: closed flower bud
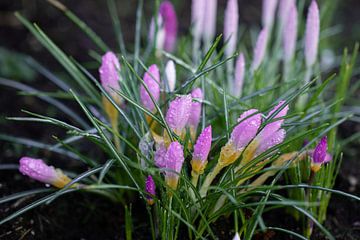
{"type": "Point", "coordinates": [152, 82]}
{"type": "Point", "coordinates": [239, 75]}
{"type": "Point", "coordinates": [312, 33]}
{"type": "Point", "coordinates": [150, 189]}
{"type": "Point", "coordinates": [268, 12]}
{"type": "Point", "coordinates": [231, 21]}
{"type": "Point", "coordinates": [195, 112]}
{"type": "Point", "coordinates": [168, 15]}
{"type": "Point", "coordinates": [174, 160]}
{"type": "Point", "coordinates": [260, 49]}
{"type": "Point", "coordinates": [170, 73]}
{"type": "Point", "coordinates": [38, 170]}
{"type": "Point", "coordinates": [209, 20]}
{"type": "Point", "coordinates": [270, 141]}
{"type": "Point", "coordinates": [201, 151]}
{"type": "Point", "coordinates": [320, 155]}
{"type": "Point", "coordinates": [290, 33]}
{"type": "Point", "coordinates": [178, 114]}
{"type": "Point", "coordinates": [236, 237]}
{"type": "Point", "coordinates": [109, 72]}
{"type": "Point", "coordinates": [284, 8]}
{"type": "Point", "coordinates": [159, 155]}
{"type": "Point", "coordinates": [197, 16]}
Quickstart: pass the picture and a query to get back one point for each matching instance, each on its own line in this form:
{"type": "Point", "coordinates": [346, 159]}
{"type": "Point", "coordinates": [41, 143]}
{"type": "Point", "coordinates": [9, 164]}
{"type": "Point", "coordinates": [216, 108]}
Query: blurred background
{"type": "Point", "coordinates": [18, 46]}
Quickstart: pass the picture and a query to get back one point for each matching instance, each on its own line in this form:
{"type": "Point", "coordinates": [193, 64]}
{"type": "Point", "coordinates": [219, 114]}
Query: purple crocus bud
{"type": "Point", "coordinates": [197, 16]}
{"type": "Point", "coordinates": [319, 155]}
{"type": "Point", "coordinates": [168, 15]}
{"type": "Point", "coordinates": [312, 33]}
{"type": "Point", "coordinates": [236, 237]}
{"type": "Point", "coordinates": [246, 130]}
{"type": "Point", "coordinates": [38, 170]}
{"type": "Point", "coordinates": [178, 113]}
{"type": "Point", "coordinates": [152, 81]}
{"type": "Point", "coordinates": [274, 126]}
{"type": "Point", "coordinates": [170, 72]}
{"type": "Point", "coordinates": [201, 151]}
{"type": "Point", "coordinates": [109, 72]}
{"type": "Point", "coordinates": [284, 8]}
{"type": "Point", "coordinates": [195, 113]}
{"type": "Point", "coordinates": [260, 49]}
{"type": "Point", "coordinates": [239, 75]}
{"type": "Point", "coordinates": [150, 189]}
{"type": "Point", "coordinates": [268, 12]}
{"type": "Point", "coordinates": [290, 33]}
{"type": "Point", "coordinates": [174, 160]}
{"type": "Point", "coordinates": [209, 20]}
{"type": "Point", "coordinates": [231, 22]}
{"type": "Point", "coordinates": [159, 156]}
{"type": "Point", "coordinates": [270, 141]}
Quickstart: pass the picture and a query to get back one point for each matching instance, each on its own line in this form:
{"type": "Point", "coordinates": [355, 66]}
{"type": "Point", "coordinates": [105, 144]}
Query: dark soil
{"type": "Point", "coordinates": [88, 216]}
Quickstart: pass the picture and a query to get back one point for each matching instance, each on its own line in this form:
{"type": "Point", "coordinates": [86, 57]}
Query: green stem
{"type": "Point", "coordinates": [209, 179]}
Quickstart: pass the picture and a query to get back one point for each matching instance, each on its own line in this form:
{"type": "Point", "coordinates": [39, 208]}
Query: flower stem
{"type": "Point", "coordinates": [209, 178]}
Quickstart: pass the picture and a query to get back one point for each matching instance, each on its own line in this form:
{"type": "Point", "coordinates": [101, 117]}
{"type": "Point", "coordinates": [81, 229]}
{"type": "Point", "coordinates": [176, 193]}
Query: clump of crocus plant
{"type": "Point", "coordinates": [319, 155]}
{"type": "Point", "coordinates": [150, 189]}
{"type": "Point", "coordinates": [174, 160]}
{"type": "Point", "coordinates": [38, 170]}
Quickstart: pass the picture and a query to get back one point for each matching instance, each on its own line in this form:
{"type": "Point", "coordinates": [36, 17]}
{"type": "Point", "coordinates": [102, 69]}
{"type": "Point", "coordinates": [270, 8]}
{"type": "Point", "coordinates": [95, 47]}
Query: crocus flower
{"type": "Point", "coordinates": [159, 155]}
{"type": "Point", "coordinates": [152, 82]}
{"type": "Point", "coordinates": [239, 75]}
{"type": "Point", "coordinates": [195, 113]}
{"type": "Point", "coordinates": [236, 237]}
{"type": "Point", "coordinates": [260, 49]}
{"type": "Point", "coordinates": [168, 15]}
{"type": "Point", "coordinates": [312, 33]}
{"type": "Point", "coordinates": [160, 34]}
{"type": "Point", "coordinates": [320, 155]}
{"type": "Point", "coordinates": [231, 21]}
{"type": "Point", "coordinates": [170, 73]}
{"type": "Point", "coordinates": [38, 170]}
{"type": "Point", "coordinates": [197, 16]}
{"type": "Point", "coordinates": [150, 189]}
{"type": "Point", "coordinates": [243, 133]}
{"type": "Point", "coordinates": [284, 8]}
{"type": "Point", "coordinates": [201, 151]}
{"type": "Point", "coordinates": [174, 160]}
{"type": "Point", "coordinates": [109, 72]}
{"type": "Point", "coordinates": [178, 114]}
{"type": "Point", "coordinates": [290, 33]}
{"type": "Point", "coordinates": [268, 12]}
{"type": "Point", "coordinates": [209, 20]}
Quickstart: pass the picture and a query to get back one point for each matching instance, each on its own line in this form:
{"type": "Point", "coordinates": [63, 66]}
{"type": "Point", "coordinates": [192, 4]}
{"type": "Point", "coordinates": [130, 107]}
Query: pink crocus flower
{"type": "Point", "coordinates": [268, 12]}
{"type": "Point", "coordinates": [284, 8]}
{"type": "Point", "coordinates": [159, 155]}
{"type": "Point", "coordinates": [231, 21]}
{"type": "Point", "coordinates": [178, 113]}
{"type": "Point", "coordinates": [201, 151]}
{"type": "Point", "coordinates": [260, 49]}
{"type": "Point", "coordinates": [150, 189]}
{"type": "Point", "coordinates": [312, 33]}
{"type": "Point", "coordinates": [109, 72]}
{"type": "Point", "coordinates": [290, 33]}
{"type": "Point", "coordinates": [195, 112]}
{"type": "Point", "coordinates": [239, 75]}
{"type": "Point", "coordinates": [320, 155]}
{"type": "Point", "coordinates": [170, 72]}
{"type": "Point", "coordinates": [38, 170]}
{"type": "Point", "coordinates": [168, 15]}
{"type": "Point", "coordinates": [152, 81]}
{"type": "Point", "coordinates": [174, 160]}
{"type": "Point", "coordinates": [209, 20]}
{"type": "Point", "coordinates": [197, 16]}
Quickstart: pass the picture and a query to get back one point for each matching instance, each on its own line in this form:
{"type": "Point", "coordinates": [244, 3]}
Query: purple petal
{"type": "Point", "coordinates": [268, 12]}
{"type": "Point", "coordinates": [284, 8]}
{"type": "Point", "coordinates": [168, 14]}
{"type": "Point", "coordinates": [152, 81]}
{"type": "Point", "coordinates": [150, 185]}
{"type": "Point", "coordinates": [290, 33]}
{"type": "Point", "coordinates": [246, 130]}
{"type": "Point", "coordinates": [203, 145]}
{"type": "Point", "coordinates": [312, 33]}
{"type": "Point", "coordinates": [319, 155]}
{"type": "Point", "coordinates": [271, 141]}
{"type": "Point", "coordinates": [209, 20]}
{"type": "Point", "coordinates": [197, 16]}
{"type": "Point", "coordinates": [178, 113]}
{"type": "Point", "coordinates": [195, 113]}
{"type": "Point", "coordinates": [109, 72]}
{"type": "Point", "coordinates": [231, 21]}
{"type": "Point", "coordinates": [260, 49]}
{"type": "Point", "coordinates": [38, 170]}
{"type": "Point", "coordinates": [239, 75]}
{"type": "Point", "coordinates": [174, 158]}
{"type": "Point", "coordinates": [159, 156]}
